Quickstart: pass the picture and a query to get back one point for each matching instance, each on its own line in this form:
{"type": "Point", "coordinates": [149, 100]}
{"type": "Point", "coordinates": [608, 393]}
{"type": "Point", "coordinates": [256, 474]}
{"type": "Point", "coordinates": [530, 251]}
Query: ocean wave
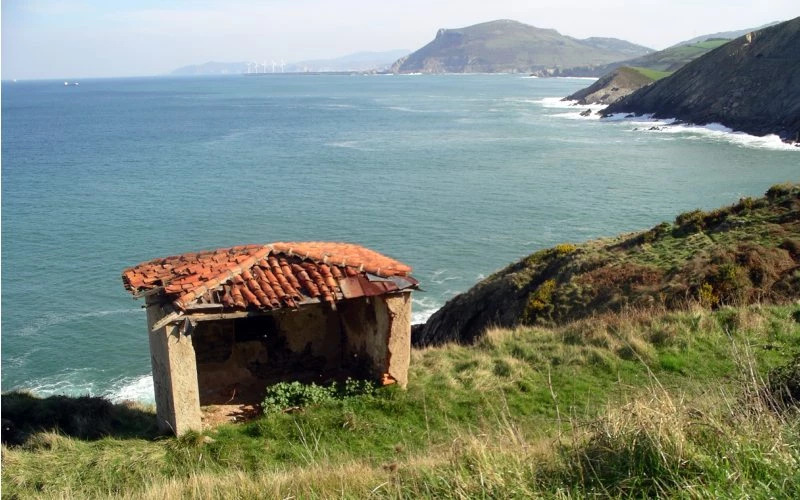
{"type": "Point", "coordinates": [647, 123]}
{"type": "Point", "coordinates": [558, 103]}
{"type": "Point", "coordinates": [53, 319]}
{"type": "Point", "coordinates": [576, 115]}
{"type": "Point", "coordinates": [422, 309]}
{"type": "Point", "coordinates": [357, 145]}
{"type": "Point", "coordinates": [139, 389]}
{"type": "Point", "coordinates": [91, 382]}
{"type": "Point", "coordinates": [713, 131]}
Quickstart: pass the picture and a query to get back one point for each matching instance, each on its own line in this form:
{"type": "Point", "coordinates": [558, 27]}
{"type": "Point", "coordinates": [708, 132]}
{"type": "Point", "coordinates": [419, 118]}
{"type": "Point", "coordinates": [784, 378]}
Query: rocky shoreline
{"type": "Point", "coordinates": [751, 85]}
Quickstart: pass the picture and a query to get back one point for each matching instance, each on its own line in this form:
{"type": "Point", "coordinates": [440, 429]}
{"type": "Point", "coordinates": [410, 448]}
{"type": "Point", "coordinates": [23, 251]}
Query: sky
{"type": "Point", "coordinates": [94, 38]}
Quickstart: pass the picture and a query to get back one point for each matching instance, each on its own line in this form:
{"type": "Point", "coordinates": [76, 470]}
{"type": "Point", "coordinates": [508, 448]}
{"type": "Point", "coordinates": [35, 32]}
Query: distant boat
{"type": "Point", "coordinates": [73, 84]}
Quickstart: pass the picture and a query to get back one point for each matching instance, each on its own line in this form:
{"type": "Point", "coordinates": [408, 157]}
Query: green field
{"type": "Point", "coordinates": [651, 73]}
{"type": "Point", "coordinates": [632, 404]}
{"type": "Point", "coordinates": [673, 58]}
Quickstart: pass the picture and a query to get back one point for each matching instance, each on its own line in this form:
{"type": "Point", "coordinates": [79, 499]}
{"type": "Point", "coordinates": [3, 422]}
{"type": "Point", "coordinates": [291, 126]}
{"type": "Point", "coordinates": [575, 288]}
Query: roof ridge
{"type": "Point", "coordinates": [229, 273]}
{"type": "Point", "coordinates": [320, 255]}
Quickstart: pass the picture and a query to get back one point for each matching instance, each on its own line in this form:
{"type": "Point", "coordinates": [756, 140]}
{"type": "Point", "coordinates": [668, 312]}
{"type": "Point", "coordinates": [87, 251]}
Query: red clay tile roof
{"type": "Point", "coordinates": [269, 276]}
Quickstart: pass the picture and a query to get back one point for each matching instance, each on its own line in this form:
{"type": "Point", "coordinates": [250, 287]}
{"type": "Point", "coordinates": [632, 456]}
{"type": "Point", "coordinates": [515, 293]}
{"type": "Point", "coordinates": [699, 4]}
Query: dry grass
{"type": "Point", "coordinates": [642, 403]}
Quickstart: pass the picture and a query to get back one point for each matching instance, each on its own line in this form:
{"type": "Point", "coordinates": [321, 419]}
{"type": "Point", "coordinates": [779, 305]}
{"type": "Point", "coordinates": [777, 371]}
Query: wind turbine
{"type": "Point", "coordinates": [265, 67]}
{"type": "Point", "coordinates": [273, 65]}
{"type": "Point", "coordinates": [283, 63]}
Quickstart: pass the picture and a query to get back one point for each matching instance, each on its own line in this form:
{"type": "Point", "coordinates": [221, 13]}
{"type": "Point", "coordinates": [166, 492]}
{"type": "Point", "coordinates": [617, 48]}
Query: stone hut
{"type": "Point", "coordinates": [224, 324]}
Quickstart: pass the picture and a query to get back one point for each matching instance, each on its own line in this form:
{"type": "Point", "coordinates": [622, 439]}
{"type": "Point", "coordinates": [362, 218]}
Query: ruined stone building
{"type": "Point", "coordinates": [224, 324]}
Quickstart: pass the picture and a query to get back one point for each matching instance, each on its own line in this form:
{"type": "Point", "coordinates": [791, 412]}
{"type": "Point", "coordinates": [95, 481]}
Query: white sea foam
{"type": "Point", "coordinates": [91, 382]}
{"type": "Point", "coordinates": [555, 102]}
{"type": "Point", "coordinates": [422, 309]}
{"type": "Point", "coordinates": [646, 123]}
{"type": "Point", "coordinates": [357, 145]}
{"type": "Point", "coordinates": [577, 109]}
{"type": "Point", "coordinates": [712, 131]}
{"type": "Point", "coordinates": [576, 115]}
{"type": "Point", "coordinates": [138, 389]}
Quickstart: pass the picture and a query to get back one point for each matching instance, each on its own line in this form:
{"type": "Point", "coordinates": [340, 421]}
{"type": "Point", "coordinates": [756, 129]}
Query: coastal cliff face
{"type": "Point", "coordinates": [742, 254]}
{"type": "Point", "coordinates": [506, 46]}
{"type": "Point", "coordinates": [751, 84]}
{"type": "Point", "coordinates": [612, 87]}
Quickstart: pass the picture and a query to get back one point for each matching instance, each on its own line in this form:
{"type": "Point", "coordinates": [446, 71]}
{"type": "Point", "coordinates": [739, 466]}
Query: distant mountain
{"type": "Point", "coordinates": [617, 45]}
{"type": "Point", "coordinates": [726, 35]}
{"type": "Point", "coordinates": [751, 84]}
{"type": "Point", "coordinates": [212, 68]}
{"type": "Point", "coordinates": [669, 59]}
{"type": "Point", "coordinates": [359, 61]}
{"type": "Point", "coordinates": [506, 46]}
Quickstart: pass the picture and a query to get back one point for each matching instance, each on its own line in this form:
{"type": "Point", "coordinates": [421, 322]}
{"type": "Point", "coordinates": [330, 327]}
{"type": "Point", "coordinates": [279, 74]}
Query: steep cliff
{"type": "Point", "coordinates": [751, 84]}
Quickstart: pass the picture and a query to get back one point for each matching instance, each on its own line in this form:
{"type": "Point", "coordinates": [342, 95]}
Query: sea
{"type": "Point", "coordinates": [456, 175]}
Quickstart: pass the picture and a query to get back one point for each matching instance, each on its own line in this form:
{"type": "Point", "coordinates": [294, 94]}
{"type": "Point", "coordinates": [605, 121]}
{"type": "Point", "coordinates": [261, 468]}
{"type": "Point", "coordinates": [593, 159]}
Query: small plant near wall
{"type": "Point", "coordinates": [292, 395]}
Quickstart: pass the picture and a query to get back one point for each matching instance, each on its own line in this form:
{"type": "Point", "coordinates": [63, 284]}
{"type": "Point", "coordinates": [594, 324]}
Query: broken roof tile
{"type": "Point", "coordinates": [267, 276]}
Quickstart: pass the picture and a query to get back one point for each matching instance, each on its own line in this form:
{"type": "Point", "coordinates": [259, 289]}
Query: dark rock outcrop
{"type": "Point", "coordinates": [751, 84]}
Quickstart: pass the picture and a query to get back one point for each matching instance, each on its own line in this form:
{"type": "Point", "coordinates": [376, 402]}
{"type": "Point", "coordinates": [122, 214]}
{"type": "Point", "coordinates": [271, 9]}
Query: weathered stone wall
{"type": "Point", "coordinates": [378, 336]}
{"type": "Point", "coordinates": [174, 375]}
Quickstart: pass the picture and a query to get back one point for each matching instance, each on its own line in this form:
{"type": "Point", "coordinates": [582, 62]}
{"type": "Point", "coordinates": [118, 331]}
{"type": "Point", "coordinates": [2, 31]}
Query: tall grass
{"type": "Point", "coordinates": [634, 404]}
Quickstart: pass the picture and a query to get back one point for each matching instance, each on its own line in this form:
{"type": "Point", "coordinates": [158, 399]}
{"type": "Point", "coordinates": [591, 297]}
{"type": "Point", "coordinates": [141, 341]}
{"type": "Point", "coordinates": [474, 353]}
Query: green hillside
{"type": "Point", "coordinates": [636, 404]}
{"type": "Point", "coordinates": [673, 58]}
{"type": "Point", "coordinates": [511, 47]}
{"type": "Point", "coordinates": [652, 74]}
{"type": "Point", "coordinates": [626, 402]}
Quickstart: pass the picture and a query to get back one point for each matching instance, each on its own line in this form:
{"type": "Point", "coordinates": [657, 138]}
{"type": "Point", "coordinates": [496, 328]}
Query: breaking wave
{"type": "Point", "coordinates": [91, 382]}
{"type": "Point", "coordinates": [670, 126]}
{"type": "Point", "coordinates": [422, 309]}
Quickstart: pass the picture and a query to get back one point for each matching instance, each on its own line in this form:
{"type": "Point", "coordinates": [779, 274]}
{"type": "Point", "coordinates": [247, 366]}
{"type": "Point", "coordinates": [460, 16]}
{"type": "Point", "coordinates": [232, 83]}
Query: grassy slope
{"type": "Point", "coordinates": [742, 254]}
{"type": "Point", "coordinates": [674, 58]}
{"type": "Point", "coordinates": [638, 403]}
{"type": "Point", "coordinates": [652, 74]}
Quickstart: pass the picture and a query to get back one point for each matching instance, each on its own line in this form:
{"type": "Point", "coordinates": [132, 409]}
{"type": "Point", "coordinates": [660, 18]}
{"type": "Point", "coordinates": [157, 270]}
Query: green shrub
{"type": "Point", "coordinates": [730, 282]}
{"type": "Point", "coordinates": [691, 222]}
{"type": "Point", "coordinates": [745, 204]}
{"type": "Point", "coordinates": [784, 383]}
{"type": "Point", "coordinates": [540, 301]}
{"type": "Point", "coordinates": [707, 297]}
{"type": "Point", "coordinates": [564, 249]}
{"type": "Point", "coordinates": [779, 190]}
{"type": "Point", "coordinates": [657, 232]}
{"type": "Point", "coordinates": [285, 395]}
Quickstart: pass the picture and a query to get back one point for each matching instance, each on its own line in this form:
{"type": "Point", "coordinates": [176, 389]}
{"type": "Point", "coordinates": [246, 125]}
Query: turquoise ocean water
{"type": "Point", "coordinates": [455, 175]}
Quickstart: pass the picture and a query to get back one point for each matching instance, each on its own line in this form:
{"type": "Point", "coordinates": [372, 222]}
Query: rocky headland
{"type": "Point", "coordinates": [751, 84]}
{"type": "Point", "coordinates": [506, 46]}
{"type": "Point", "coordinates": [612, 87]}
